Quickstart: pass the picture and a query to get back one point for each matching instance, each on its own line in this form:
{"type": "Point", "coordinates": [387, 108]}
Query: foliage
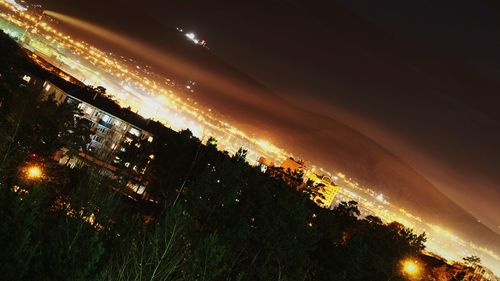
{"type": "Point", "coordinates": [217, 217]}
{"type": "Point", "coordinates": [472, 260]}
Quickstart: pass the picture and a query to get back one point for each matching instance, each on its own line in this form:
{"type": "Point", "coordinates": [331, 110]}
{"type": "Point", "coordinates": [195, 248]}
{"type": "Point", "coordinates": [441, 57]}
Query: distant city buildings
{"type": "Point", "coordinates": [484, 274]}
{"type": "Point", "coordinates": [263, 163]}
{"type": "Point", "coordinates": [293, 166]}
{"type": "Point", "coordinates": [295, 173]}
{"type": "Point", "coordinates": [325, 189]}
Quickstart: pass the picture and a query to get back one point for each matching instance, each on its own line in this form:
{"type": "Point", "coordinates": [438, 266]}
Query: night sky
{"type": "Point", "coordinates": [421, 78]}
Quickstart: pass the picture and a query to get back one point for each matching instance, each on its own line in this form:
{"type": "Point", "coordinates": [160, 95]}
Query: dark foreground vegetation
{"type": "Point", "coordinates": [215, 217]}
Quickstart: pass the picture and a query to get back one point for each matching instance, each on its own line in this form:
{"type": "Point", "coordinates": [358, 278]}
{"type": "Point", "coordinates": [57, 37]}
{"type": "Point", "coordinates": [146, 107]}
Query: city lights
{"type": "Point", "coordinates": [164, 99]}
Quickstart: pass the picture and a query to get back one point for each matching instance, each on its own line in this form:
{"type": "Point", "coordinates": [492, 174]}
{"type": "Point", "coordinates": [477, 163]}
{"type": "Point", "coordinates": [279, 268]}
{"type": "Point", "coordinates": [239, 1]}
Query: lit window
{"type": "Point", "coordinates": [26, 78]}
{"type": "Point", "coordinates": [150, 139]}
{"type": "Point", "coordinates": [97, 138]}
{"type": "Point", "coordinates": [107, 118]}
{"type": "Point", "coordinates": [47, 87]}
{"type": "Point", "coordinates": [141, 189]}
{"type": "Point", "coordinates": [102, 129]}
{"type": "Point", "coordinates": [134, 132]}
{"type": "Point", "coordinates": [88, 110]}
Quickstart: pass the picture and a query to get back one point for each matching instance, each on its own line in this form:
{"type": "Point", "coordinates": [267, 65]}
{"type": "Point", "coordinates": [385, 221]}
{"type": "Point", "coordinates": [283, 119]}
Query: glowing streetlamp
{"type": "Point", "coordinates": [411, 267]}
{"type": "Point", "coordinates": [34, 172]}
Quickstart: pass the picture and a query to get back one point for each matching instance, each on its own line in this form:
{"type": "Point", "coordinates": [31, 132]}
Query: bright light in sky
{"type": "Point", "coordinates": [192, 37]}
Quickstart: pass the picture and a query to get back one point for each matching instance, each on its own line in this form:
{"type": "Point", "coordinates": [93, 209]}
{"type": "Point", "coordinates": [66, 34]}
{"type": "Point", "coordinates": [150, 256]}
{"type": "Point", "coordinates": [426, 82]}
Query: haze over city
{"type": "Point", "coordinates": [397, 102]}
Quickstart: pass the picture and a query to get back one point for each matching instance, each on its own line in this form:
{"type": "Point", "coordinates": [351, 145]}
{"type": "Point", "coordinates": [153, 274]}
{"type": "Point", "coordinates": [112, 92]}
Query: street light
{"type": "Point", "coordinates": [411, 267]}
{"type": "Point", "coordinates": [34, 172]}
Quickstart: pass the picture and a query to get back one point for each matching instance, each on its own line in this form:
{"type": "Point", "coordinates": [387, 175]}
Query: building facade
{"type": "Point", "coordinates": [110, 134]}
{"type": "Point", "coordinates": [113, 131]}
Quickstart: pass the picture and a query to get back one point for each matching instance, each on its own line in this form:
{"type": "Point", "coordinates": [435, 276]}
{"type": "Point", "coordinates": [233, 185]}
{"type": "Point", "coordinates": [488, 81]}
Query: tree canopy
{"type": "Point", "coordinates": [214, 216]}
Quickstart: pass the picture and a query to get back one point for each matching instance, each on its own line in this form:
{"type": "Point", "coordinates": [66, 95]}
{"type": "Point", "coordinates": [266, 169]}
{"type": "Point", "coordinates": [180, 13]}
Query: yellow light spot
{"type": "Point", "coordinates": [34, 172]}
{"type": "Point", "coordinates": [411, 267]}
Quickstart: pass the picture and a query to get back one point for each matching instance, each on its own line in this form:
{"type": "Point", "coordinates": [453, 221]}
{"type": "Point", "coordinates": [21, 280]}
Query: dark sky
{"type": "Point", "coordinates": [421, 78]}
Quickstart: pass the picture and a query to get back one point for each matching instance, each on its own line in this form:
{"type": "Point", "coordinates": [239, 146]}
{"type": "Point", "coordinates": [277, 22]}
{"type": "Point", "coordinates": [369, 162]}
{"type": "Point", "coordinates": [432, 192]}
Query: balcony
{"type": "Point", "coordinates": [104, 123]}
